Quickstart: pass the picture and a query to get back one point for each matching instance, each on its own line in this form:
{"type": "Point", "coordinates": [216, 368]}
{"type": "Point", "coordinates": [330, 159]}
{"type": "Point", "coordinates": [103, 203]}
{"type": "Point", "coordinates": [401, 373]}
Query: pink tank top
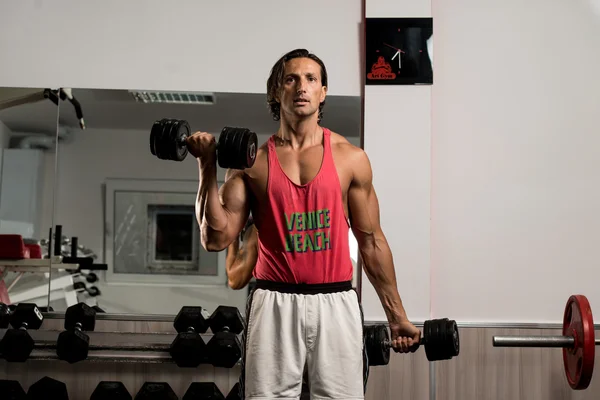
{"type": "Point", "coordinates": [303, 235]}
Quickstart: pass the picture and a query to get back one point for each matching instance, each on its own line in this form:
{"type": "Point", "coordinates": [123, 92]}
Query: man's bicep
{"type": "Point", "coordinates": [234, 198]}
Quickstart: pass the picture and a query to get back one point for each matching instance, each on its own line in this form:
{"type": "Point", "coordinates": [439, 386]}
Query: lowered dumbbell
{"type": "Point", "coordinates": [48, 388]}
{"type": "Point", "coordinates": [11, 390]}
{"type": "Point", "coordinates": [188, 349]}
{"type": "Point", "coordinates": [156, 391]}
{"type": "Point", "coordinates": [440, 339]}
{"type": "Point", "coordinates": [236, 147]}
{"type": "Point", "coordinates": [224, 349]}
{"type": "Point", "coordinates": [17, 345]}
{"type": "Point", "coordinates": [109, 390]}
{"type": "Point", "coordinates": [72, 344]}
{"type": "Point", "coordinates": [203, 391]}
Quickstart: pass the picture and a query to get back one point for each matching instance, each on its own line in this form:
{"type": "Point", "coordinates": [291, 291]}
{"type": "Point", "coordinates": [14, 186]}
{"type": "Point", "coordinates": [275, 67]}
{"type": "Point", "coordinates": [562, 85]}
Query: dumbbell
{"type": "Point", "coordinates": [203, 391]}
{"type": "Point", "coordinates": [4, 316]}
{"type": "Point", "coordinates": [72, 344]}
{"type": "Point", "coordinates": [188, 349]}
{"type": "Point", "coordinates": [440, 339]}
{"type": "Point", "coordinates": [224, 349]}
{"type": "Point", "coordinates": [92, 291]}
{"type": "Point", "coordinates": [17, 345]}
{"type": "Point", "coordinates": [234, 393]}
{"type": "Point", "coordinates": [48, 388]}
{"type": "Point", "coordinates": [11, 390]}
{"type": "Point", "coordinates": [156, 391]}
{"type": "Point", "coordinates": [236, 148]}
{"type": "Point", "coordinates": [110, 390]}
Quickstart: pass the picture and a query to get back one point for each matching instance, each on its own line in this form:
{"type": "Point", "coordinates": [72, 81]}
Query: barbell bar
{"type": "Point", "coordinates": [577, 341]}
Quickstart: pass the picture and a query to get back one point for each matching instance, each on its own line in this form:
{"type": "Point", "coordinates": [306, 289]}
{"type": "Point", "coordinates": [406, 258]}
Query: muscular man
{"type": "Point", "coordinates": [308, 186]}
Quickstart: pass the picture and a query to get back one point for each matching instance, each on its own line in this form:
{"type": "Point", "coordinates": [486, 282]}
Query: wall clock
{"type": "Point", "coordinates": [399, 51]}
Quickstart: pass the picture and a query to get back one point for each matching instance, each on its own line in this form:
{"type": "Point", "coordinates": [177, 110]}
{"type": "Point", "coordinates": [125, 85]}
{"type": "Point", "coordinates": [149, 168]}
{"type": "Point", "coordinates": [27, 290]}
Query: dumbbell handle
{"type": "Point", "coordinates": [536, 341]}
{"type": "Point", "coordinates": [183, 142]}
{"type": "Point", "coordinates": [388, 343]}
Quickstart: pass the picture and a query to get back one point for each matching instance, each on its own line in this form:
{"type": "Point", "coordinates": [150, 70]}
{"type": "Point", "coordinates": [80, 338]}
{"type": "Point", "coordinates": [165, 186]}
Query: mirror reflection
{"type": "Point", "coordinates": [131, 213]}
{"type": "Point", "coordinates": [28, 136]}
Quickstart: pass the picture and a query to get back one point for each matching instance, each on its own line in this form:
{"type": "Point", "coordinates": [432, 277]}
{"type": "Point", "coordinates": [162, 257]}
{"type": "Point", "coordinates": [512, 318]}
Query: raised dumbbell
{"type": "Point", "coordinates": [188, 349]}
{"type": "Point", "coordinates": [17, 345]}
{"type": "Point", "coordinates": [224, 349]}
{"type": "Point", "coordinates": [236, 148]}
{"type": "Point", "coordinates": [11, 390]}
{"type": "Point", "coordinates": [440, 339]}
{"type": "Point", "coordinates": [72, 344]}
{"type": "Point", "coordinates": [4, 316]}
{"type": "Point", "coordinates": [48, 388]}
{"type": "Point", "coordinates": [204, 391]}
{"type": "Point", "coordinates": [156, 391]}
{"type": "Point", "coordinates": [109, 390]}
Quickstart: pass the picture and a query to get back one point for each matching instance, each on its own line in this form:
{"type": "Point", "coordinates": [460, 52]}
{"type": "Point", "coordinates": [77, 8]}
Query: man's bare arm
{"type": "Point", "coordinates": [240, 261]}
{"type": "Point", "coordinates": [221, 213]}
{"type": "Point", "coordinates": [372, 243]}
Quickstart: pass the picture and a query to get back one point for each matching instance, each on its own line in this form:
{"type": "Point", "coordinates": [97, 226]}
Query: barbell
{"type": "Point", "coordinates": [577, 341]}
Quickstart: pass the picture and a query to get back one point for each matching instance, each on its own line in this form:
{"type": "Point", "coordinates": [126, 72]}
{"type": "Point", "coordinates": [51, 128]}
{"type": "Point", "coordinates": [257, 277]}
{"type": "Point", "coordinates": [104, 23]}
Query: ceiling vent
{"type": "Point", "coordinates": [173, 97]}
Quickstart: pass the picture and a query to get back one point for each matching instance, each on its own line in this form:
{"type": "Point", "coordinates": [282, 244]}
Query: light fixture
{"type": "Point", "coordinates": [173, 97]}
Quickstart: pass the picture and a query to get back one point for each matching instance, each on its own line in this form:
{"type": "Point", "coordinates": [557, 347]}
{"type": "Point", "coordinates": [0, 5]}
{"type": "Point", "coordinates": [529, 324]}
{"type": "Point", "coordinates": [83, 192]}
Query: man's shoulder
{"type": "Point", "coordinates": [342, 145]}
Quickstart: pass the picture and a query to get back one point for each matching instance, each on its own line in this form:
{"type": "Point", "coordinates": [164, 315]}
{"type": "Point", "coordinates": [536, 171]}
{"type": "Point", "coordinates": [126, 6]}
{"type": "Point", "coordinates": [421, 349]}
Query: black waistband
{"type": "Point", "coordinates": [304, 288]}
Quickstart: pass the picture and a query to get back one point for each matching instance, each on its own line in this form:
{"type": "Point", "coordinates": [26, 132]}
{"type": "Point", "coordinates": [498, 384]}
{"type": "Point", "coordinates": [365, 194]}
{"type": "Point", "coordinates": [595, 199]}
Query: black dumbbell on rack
{"type": "Point", "coordinates": [48, 388]}
{"type": "Point", "coordinates": [17, 344]}
{"type": "Point", "coordinates": [110, 390]}
{"type": "Point", "coordinates": [72, 344]}
{"type": "Point", "coordinates": [5, 313]}
{"type": "Point", "coordinates": [224, 348]}
{"type": "Point", "coordinates": [188, 349]}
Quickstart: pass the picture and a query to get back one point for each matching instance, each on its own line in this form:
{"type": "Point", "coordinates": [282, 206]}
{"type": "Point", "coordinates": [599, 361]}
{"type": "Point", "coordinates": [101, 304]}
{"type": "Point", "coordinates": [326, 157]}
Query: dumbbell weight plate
{"type": "Point", "coordinates": [249, 143]}
{"type": "Point", "coordinates": [578, 361]}
{"type": "Point", "coordinates": [375, 338]}
{"type": "Point", "coordinates": [169, 140]}
{"type": "Point", "coordinates": [224, 155]}
{"type": "Point", "coordinates": [179, 134]}
{"type": "Point", "coordinates": [236, 148]}
{"type": "Point", "coordinates": [159, 141]}
{"type": "Point", "coordinates": [154, 133]}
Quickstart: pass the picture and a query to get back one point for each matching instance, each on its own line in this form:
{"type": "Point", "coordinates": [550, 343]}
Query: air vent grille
{"type": "Point", "coordinates": [173, 97]}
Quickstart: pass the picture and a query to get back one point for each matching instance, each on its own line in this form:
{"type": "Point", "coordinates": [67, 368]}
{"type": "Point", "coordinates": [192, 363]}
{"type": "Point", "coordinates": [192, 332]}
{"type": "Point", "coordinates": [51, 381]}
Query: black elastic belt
{"type": "Point", "coordinates": [304, 288]}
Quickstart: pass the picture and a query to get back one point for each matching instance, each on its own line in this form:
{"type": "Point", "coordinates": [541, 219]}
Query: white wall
{"type": "Point", "coordinates": [516, 155]}
{"type": "Point", "coordinates": [83, 166]}
{"type": "Point", "coordinates": [397, 138]}
{"type": "Point", "coordinates": [226, 46]}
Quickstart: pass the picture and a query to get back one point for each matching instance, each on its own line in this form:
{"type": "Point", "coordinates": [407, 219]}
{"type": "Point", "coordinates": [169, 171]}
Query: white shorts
{"type": "Point", "coordinates": [315, 331]}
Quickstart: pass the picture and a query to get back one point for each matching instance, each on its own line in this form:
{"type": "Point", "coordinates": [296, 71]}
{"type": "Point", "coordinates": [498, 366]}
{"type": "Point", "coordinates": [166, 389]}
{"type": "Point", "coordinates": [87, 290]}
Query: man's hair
{"type": "Point", "coordinates": [275, 81]}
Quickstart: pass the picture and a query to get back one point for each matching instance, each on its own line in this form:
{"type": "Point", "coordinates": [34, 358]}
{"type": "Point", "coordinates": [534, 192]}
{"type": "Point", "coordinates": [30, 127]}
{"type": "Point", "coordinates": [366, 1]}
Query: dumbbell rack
{"type": "Point", "coordinates": [111, 346]}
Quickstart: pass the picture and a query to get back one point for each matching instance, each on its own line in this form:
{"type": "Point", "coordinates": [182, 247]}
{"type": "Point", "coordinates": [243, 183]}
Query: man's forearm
{"type": "Point", "coordinates": [209, 210]}
{"type": "Point", "coordinates": [379, 267]}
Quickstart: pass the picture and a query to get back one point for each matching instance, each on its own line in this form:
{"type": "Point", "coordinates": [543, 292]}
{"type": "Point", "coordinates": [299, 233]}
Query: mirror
{"type": "Point", "coordinates": [28, 136]}
{"type": "Point", "coordinates": [133, 213]}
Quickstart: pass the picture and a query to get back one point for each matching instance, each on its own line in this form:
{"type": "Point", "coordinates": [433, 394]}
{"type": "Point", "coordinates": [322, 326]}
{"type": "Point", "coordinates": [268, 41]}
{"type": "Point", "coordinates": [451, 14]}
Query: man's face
{"type": "Point", "coordinates": [301, 91]}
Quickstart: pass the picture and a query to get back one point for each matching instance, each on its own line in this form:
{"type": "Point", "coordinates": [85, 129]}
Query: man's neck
{"type": "Point", "coordinates": [300, 134]}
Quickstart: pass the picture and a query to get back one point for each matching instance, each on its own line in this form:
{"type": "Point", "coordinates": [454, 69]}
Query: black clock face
{"type": "Point", "coordinates": [398, 51]}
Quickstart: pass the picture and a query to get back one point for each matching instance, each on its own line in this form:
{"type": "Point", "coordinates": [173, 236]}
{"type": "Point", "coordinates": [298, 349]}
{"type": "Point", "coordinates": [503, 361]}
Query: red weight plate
{"type": "Point", "coordinates": [578, 323]}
